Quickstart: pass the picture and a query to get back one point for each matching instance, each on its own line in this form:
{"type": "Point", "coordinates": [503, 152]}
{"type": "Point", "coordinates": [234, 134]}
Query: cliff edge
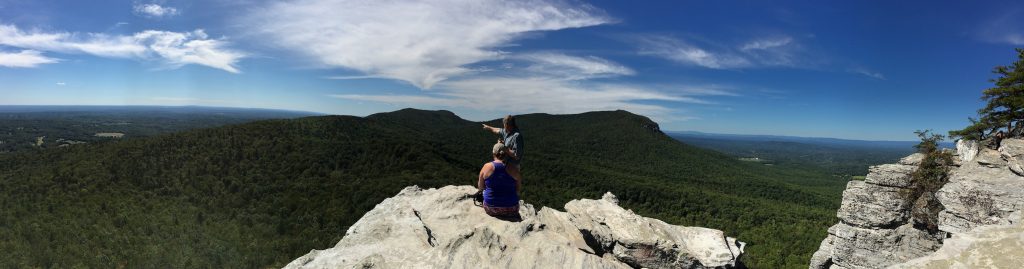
{"type": "Point", "coordinates": [877, 226]}
{"type": "Point", "coordinates": [441, 228]}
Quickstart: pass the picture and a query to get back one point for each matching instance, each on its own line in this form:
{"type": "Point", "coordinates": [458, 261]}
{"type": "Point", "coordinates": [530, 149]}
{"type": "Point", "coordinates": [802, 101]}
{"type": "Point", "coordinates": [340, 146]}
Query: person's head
{"type": "Point", "coordinates": [509, 123]}
{"type": "Point", "coordinates": [498, 151]}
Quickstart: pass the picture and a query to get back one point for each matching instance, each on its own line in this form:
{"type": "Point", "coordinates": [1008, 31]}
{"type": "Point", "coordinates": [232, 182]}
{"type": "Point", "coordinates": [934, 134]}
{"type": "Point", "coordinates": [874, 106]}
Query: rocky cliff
{"type": "Point", "coordinates": [441, 228]}
{"type": "Point", "coordinates": [877, 227]}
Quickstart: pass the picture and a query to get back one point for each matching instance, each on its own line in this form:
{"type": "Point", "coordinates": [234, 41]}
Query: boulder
{"type": "Point", "coordinates": [978, 193]}
{"type": "Point", "coordinates": [655, 245]}
{"type": "Point", "coordinates": [912, 159]}
{"type": "Point", "coordinates": [441, 228]}
{"type": "Point", "coordinates": [869, 205]}
{"type": "Point", "coordinates": [1011, 150]}
{"type": "Point", "coordinates": [856, 247]}
{"type": "Point", "coordinates": [967, 150]}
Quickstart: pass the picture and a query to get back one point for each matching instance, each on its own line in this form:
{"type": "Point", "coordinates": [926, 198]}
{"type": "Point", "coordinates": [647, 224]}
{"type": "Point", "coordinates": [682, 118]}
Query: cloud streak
{"type": "Point", "coordinates": [173, 49]}
{"type": "Point", "coordinates": [867, 72]}
{"type": "Point", "coordinates": [572, 67]}
{"type": "Point", "coordinates": [781, 51]}
{"type": "Point", "coordinates": [682, 52]}
{"type": "Point", "coordinates": [25, 59]}
{"type": "Point", "coordinates": [422, 43]}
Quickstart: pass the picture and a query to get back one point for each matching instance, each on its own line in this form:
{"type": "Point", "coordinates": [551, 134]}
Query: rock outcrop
{"type": "Point", "coordinates": [994, 246]}
{"type": "Point", "coordinates": [876, 227]}
{"type": "Point", "coordinates": [441, 228]}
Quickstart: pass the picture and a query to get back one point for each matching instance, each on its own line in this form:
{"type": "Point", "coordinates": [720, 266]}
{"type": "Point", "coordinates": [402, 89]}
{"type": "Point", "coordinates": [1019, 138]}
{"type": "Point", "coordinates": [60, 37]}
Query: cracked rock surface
{"type": "Point", "coordinates": [441, 228]}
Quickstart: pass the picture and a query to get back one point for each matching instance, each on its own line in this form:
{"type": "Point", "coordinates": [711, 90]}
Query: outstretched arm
{"type": "Point", "coordinates": [492, 129]}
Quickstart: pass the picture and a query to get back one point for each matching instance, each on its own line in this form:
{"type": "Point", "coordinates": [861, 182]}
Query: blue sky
{"type": "Point", "coordinates": [873, 70]}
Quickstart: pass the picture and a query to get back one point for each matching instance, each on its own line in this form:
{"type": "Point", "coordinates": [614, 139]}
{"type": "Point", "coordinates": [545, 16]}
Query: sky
{"type": "Point", "coordinates": [871, 70]}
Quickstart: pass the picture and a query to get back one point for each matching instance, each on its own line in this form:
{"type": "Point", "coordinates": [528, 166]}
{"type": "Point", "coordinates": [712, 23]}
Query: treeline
{"type": "Point", "coordinates": [260, 194]}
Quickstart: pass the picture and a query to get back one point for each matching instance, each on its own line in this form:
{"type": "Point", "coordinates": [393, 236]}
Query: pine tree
{"type": "Point", "coordinates": [1004, 109]}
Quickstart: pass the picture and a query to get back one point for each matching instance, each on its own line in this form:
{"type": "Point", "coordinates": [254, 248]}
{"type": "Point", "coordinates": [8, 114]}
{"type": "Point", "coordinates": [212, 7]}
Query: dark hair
{"type": "Point", "coordinates": [510, 121]}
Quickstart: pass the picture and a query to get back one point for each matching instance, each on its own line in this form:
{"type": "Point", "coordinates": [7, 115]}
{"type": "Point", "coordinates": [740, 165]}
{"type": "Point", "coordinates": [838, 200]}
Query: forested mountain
{"type": "Point", "coordinates": [39, 127]}
{"type": "Point", "coordinates": [259, 194]}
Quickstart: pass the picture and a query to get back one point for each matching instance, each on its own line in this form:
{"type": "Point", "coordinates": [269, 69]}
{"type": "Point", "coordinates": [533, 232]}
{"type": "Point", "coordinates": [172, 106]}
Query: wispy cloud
{"type": "Point", "coordinates": [24, 59]}
{"type": "Point", "coordinates": [1003, 28]}
{"type": "Point", "coordinates": [173, 49]}
{"type": "Point", "coordinates": [154, 10]}
{"type": "Point", "coordinates": [867, 72]}
{"type": "Point", "coordinates": [766, 44]}
{"type": "Point", "coordinates": [778, 51]}
{"type": "Point", "coordinates": [422, 43]}
{"type": "Point", "coordinates": [354, 77]}
{"type": "Point", "coordinates": [572, 67]}
{"type": "Point", "coordinates": [61, 84]}
{"type": "Point", "coordinates": [683, 52]}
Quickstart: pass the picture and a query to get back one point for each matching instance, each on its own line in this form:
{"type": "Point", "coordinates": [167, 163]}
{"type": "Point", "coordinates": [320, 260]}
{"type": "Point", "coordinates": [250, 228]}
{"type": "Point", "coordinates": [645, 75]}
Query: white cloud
{"type": "Point", "coordinates": [572, 67]}
{"type": "Point", "coordinates": [25, 58]}
{"type": "Point", "coordinates": [174, 49]}
{"type": "Point", "coordinates": [154, 10]}
{"type": "Point", "coordinates": [422, 43]}
{"type": "Point", "coordinates": [679, 51]}
{"type": "Point", "coordinates": [61, 84]}
{"type": "Point", "coordinates": [552, 83]}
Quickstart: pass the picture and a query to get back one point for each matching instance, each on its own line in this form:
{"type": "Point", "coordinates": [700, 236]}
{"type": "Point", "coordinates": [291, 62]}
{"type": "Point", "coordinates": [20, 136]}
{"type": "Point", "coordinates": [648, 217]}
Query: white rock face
{"type": "Point", "coordinates": [967, 149]}
{"type": "Point", "coordinates": [441, 228]}
{"type": "Point", "coordinates": [983, 192]}
{"type": "Point", "coordinates": [875, 229]}
{"type": "Point", "coordinates": [994, 246]}
{"type": "Point", "coordinates": [986, 189]}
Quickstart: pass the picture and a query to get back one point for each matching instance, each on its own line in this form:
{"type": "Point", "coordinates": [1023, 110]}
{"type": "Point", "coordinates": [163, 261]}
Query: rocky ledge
{"type": "Point", "coordinates": [441, 228]}
{"type": "Point", "coordinates": [877, 228]}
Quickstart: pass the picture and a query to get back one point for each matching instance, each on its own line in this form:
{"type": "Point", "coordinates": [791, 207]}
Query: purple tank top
{"type": "Point", "coordinates": [500, 188]}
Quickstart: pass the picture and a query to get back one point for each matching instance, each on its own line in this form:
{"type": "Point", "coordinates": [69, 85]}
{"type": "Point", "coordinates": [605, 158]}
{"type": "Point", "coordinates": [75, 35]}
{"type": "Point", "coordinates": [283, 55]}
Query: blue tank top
{"type": "Point", "coordinates": [500, 188]}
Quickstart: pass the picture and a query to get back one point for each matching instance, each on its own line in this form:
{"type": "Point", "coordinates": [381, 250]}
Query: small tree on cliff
{"type": "Point", "coordinates": [1004, 107]}
{"type": "Point", "coordinates": [931, 174]}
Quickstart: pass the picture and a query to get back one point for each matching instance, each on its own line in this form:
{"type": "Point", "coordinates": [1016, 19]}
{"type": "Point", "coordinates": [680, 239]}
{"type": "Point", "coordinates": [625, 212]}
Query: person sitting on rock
{"type": "Point", "coordinates": [510, 136]}
{"type": "Point", "coordinates": [500, 185]}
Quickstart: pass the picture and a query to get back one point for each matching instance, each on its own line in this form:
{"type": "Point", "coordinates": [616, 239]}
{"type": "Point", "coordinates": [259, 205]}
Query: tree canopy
{"type": "Point", "coordinates": [1004, 109]}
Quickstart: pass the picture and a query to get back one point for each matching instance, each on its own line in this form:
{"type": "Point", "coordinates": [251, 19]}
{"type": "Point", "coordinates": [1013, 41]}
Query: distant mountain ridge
{"type": "Point", "coordinates": [138, 108]}
{"type": "Point", "coordinates": [835, 156]}
{"type": "Point", "coordinates": [812, 140]}
{"type": "Point", "coordinates": [38, 127]}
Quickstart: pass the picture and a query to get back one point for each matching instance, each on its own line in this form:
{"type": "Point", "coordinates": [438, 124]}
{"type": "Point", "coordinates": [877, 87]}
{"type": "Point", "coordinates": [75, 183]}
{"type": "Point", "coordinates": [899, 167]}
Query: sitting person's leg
{"type": "Point", "coordinates": [504, 213]}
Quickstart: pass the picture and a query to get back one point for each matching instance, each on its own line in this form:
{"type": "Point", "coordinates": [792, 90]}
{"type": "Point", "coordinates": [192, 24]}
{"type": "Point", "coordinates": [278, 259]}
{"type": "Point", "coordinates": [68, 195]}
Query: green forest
{"type": "Point", "coordinates": [40, 127]}
{"type": "Point", "coordinates": [260, 194]}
